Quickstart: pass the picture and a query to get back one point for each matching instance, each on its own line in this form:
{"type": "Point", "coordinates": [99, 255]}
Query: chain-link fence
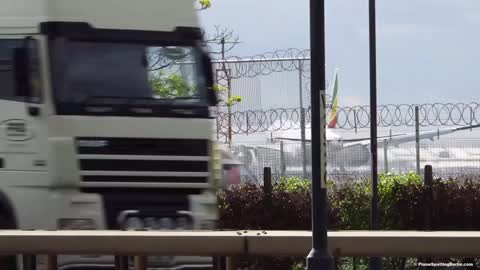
{"type": "Point", "coordinates": [449, 158]}
{"type": "Point", "coordinates": [275, 91]}
{"type": "Point", "coordinates": [264, 82]}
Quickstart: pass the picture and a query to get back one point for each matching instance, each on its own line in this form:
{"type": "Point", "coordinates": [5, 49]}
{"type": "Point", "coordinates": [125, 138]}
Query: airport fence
{"type": "Point", "coordinates": [275, 92]}
{"type": "Point", "coordinates": [449, 157]}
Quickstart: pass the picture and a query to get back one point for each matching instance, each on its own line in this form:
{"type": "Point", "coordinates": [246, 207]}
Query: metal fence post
{"type": "Point", "coordinates": [304, 145]}
{"type": "Point", "coordinates": [355, 119]}
{"type": "Point", "coordinates": [140, 263]}
{"type": "Point", "coordinates": [246, 122]}
{"type": "Point", "coordinates": [233, 263]}
{"type": "Point", "coordinates": [217, 109]}
{"type": "Point", "coordinates": [471, 117]}
{"type": "Point", "coordinates": [29, 262]}
{"type": "Point", "coordinates": [385, 156]}
{"type": "Point", "coordinates": [267, 186]}
{"type": "Point", "coordinates": [417, 139]}
{"type": "Point", "coordinates": [121, 262]}
{"type": "Point", "coordinates": [220, 122]}
{"type": "Point", "coordinates": [219, 263]}
{"type": "Point", "coordinates": [267, 180]}
{"type": "Point", "coordinates": [302, 119]}
{"type": "Point", "coordinates": [229, 94]}
{"type": "Point", "coordinates": [428, 181]}
{"type": "Point", "coordinates": [52, 262]}
{"type": "Point", "coordinates": [428, 199]}
{"type": "Point", "coordinates": [282, 159]}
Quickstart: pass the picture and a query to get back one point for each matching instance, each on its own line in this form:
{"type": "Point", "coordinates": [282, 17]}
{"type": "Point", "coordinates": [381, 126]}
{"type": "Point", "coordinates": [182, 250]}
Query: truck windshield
{"type": "Point", "coordinates": [87, 70]}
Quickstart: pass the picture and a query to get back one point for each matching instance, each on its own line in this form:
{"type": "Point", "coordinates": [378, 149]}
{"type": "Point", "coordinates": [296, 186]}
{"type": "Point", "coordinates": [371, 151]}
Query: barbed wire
{"type": "Point", "coordinates": [266, 63]}
{"type": "Point", "coordinates": [247, 66]}
{"type": "Point", "coordinates": [234, 68]}
{"type": "Point", "coordinates": [354, 117]}
{"type": "Point", "coordinates": [391, 115]}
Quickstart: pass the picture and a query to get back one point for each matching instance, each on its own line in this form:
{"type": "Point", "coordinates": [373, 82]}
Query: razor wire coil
{"type": "Point", "coordinates": [391, 115]}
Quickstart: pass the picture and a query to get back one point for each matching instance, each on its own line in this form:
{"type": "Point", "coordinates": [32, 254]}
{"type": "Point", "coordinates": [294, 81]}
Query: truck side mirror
{"type": "Point", "coordinates": [21, 67]}
{"type": "Point", "coordinates": [207, 67]}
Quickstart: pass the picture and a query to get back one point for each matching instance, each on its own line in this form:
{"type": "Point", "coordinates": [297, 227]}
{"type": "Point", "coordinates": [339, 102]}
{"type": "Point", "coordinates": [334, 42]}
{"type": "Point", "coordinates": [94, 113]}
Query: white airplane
{"type": "Point", "coordinates": [341, 152]}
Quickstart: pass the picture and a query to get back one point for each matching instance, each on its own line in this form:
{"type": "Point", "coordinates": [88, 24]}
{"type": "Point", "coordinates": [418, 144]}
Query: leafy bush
{"type": "Point", "coordinates": [292, 184]}
{"type": "Point", "coordinates": [402, 199]}
{"type": "Point", "coordinates": [455, 205]}
{"type": "Point", "coordinates": [353, 200]}
{"type": "Point", "coordinates": [249, 207]}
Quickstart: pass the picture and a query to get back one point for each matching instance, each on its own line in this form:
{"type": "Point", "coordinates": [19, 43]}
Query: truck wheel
{"type": "Point", "coordinates": [7, 262]}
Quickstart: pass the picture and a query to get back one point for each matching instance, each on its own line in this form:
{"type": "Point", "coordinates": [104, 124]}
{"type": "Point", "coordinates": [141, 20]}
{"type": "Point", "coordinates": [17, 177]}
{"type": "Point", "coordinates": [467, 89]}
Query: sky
{"type": "Point", "coordinates": [427, 50]}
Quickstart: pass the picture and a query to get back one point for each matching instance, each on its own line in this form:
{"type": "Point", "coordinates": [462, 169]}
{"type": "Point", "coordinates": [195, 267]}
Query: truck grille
{"type": "Point", "coordinates": [149, 205]}
{"type": "Point", "coordinates": [135, 146]}
{"type": "Point", "coordinates": [145, 163]}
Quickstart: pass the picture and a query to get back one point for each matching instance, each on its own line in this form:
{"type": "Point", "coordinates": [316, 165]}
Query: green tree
{"type": "Point", "coordinates": [170, 86]}
{"type": "Point", "coordinates": [173, 85]}
{"type": "Point", "coordinates": [204, 4]}
{"type": "Point", "coordinates": [228, 101]}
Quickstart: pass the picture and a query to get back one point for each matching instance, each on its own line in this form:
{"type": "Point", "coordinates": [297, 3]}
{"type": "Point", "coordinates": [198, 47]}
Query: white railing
{"type": "Point", "coordinates": [236, 243]}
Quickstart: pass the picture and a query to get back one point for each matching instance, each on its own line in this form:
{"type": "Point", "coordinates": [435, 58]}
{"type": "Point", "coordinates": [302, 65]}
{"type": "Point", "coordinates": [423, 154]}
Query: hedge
{"type": "Point", "coordinates": [402, 199]}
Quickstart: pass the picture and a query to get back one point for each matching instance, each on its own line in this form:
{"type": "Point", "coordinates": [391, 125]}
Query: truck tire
{"type": "Point", "coordinates": [7, 262]}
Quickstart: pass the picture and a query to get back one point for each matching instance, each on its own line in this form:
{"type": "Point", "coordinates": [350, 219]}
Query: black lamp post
{"type": "Point", "coordinates": [375, 262]}
{"type": "Point", "coordinates": [319, 257]}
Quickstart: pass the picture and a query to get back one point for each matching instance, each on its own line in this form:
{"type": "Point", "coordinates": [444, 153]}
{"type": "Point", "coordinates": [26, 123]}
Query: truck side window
{"type": "Point", "coordinates": [7, 76]}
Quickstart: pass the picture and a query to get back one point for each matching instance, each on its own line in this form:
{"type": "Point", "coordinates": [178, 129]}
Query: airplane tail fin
{"type": "Point", "coordinates": [332, 123]}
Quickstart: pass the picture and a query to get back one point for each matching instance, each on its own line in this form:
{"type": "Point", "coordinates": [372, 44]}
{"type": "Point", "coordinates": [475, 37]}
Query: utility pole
{"type": "Point", "coordinates": [319, 257]}
{"type": "Point", "coordinates": [222, 73]}
{"type": "Point", "coordinates": [229, 110]}
{"type": "Point", "coordinates": [226, 76]}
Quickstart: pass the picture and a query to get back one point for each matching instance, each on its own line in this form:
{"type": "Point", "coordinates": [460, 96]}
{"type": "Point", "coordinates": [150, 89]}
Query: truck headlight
{"type": "Point", "coordinates": [133, 223]}
{"type": "Point", "coordinates": [183, 223]}
{"type": "Point", "coordinates": [207, 224]}
{"type": "Point", "coordinates": [76, 224]}
{"type": "Point", "coordinates": [151, 223]}
{"type": "Point", "coordinates": [166, 224]}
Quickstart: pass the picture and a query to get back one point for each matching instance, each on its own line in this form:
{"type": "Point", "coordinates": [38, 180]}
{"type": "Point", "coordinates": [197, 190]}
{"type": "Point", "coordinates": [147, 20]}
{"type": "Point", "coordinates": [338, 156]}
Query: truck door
{"type": "Point", "coordinates": [19, 128]}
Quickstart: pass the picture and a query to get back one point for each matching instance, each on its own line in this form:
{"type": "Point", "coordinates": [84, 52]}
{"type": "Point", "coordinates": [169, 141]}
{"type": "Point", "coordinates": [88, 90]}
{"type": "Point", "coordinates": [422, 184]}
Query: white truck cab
{"type": "Point", "coordinates": [105, 121]}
